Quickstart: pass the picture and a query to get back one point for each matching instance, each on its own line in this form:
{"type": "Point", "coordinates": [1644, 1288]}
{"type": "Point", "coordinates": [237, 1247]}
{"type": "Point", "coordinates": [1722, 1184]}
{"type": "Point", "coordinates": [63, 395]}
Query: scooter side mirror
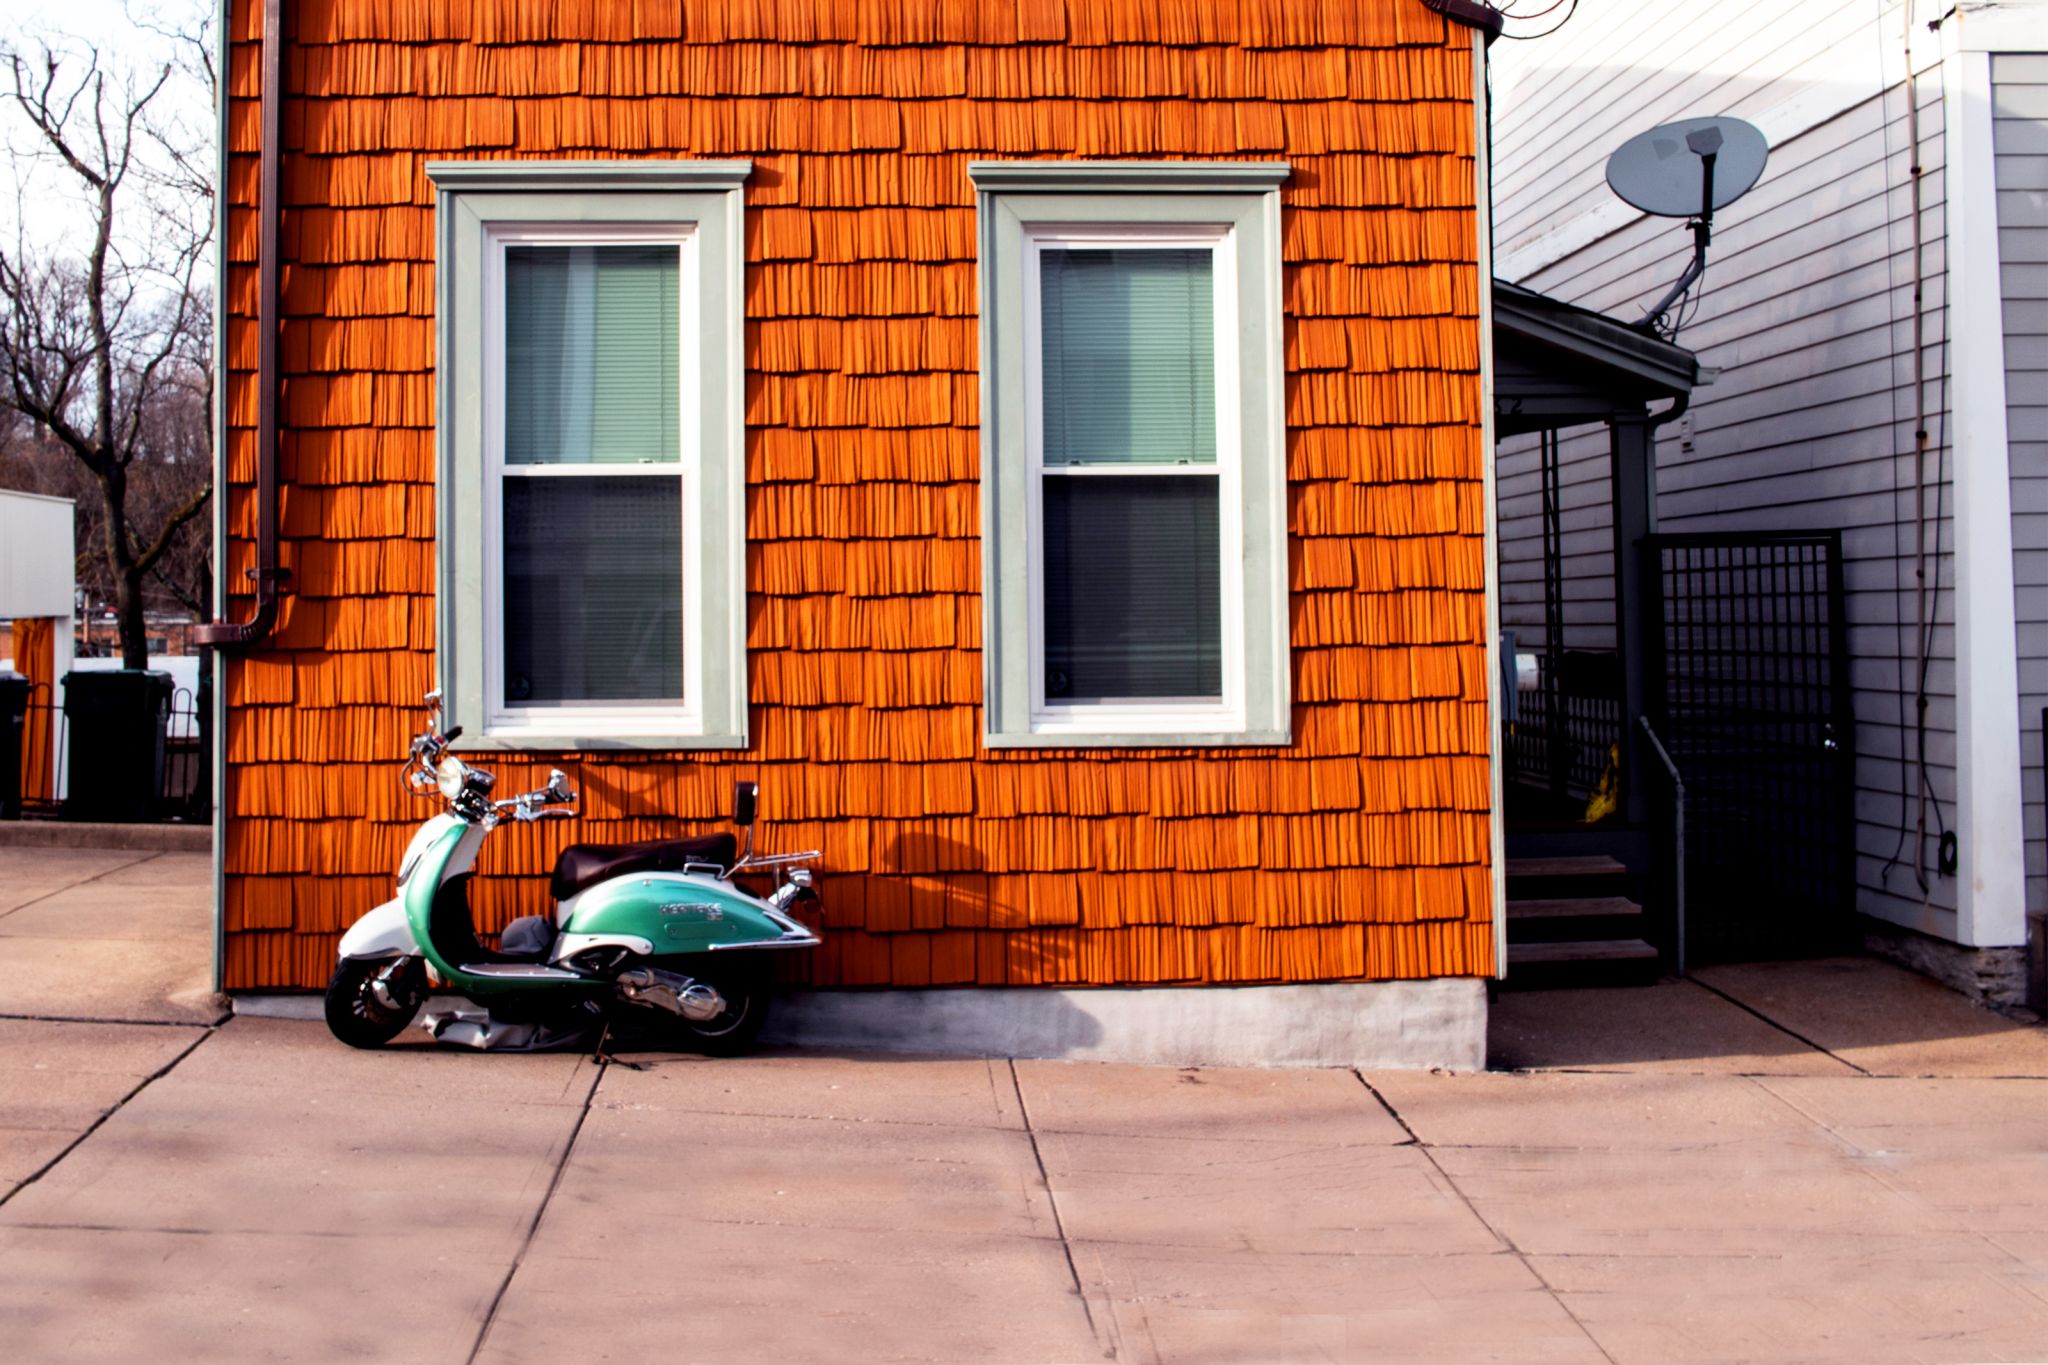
{"type": "Point", "coordinates": [558, 786]}
{"type": "Point", "coordinates": [743, 803]}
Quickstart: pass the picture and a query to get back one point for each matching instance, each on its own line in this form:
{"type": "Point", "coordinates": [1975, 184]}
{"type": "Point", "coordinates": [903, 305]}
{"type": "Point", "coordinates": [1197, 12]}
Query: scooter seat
{"type": "Point", "coordinates": [585, 865]}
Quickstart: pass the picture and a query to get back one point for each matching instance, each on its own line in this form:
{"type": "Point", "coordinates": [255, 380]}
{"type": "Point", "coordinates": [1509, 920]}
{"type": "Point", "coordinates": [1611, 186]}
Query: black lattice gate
{"type": "Point", "coordinates": [1749, 687]}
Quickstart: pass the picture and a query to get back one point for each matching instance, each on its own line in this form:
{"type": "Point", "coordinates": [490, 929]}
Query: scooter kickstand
{"type": "Point", "coordinates": [605, 1057]}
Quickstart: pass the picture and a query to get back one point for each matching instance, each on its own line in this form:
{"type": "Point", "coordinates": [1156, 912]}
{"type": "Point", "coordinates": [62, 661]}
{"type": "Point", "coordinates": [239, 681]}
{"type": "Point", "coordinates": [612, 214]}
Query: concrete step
{"type": "Point", "coordinates": [1580, 951]}
{"type": "Point", "coordinates": [1573, 907]}
{"type": "Point", "coordinates": [82, 834]}
{"type": "Point", "coordinates": [1574, 919]}
{"type": "Point", "coordinates": [1584, 865]}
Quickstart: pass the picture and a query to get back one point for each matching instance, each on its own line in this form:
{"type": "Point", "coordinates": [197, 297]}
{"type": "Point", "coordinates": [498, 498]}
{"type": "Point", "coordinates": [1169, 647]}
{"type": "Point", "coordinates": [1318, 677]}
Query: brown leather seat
{"type": "Point", "coordinates": [584, 865]}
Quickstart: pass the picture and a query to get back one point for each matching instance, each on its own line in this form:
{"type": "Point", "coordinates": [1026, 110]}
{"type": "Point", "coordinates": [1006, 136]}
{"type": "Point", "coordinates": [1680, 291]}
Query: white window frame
{"type": "Point", "coordinates": [482, 209]}
{"type": "Point", "coordinates": [1149, 715]}
{"type": "Point", "coordinates": [1026, 209]}
{"type": "Point", "coordinates": [501, 717]}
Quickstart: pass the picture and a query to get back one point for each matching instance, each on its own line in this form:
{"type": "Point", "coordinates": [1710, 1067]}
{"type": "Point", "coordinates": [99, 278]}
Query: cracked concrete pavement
{"type": "Point", "coordinates": [1816, 1161]}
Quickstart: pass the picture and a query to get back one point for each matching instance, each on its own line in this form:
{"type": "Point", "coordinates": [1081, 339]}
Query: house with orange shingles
{"type": "Point", "coordinates": [1046, 445]}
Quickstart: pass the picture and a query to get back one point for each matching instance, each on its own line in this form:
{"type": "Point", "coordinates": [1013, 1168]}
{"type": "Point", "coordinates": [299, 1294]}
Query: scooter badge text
{"type": "Point", "coordinates": [704, 908]}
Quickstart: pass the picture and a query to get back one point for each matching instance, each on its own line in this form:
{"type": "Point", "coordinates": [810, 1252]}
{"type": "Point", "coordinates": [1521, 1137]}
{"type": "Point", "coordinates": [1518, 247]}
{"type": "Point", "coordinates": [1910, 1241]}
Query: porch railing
{"type": "Point", "coordinates": [1565, 733]}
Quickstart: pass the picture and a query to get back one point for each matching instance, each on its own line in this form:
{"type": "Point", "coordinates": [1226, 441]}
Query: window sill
{"type": "Point", "coordinates": [1184, 739]}
{"type": "Point", "coordinates": [522, 742]}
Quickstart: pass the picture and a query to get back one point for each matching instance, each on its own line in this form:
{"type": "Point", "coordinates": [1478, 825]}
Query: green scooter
{"type": "Point", "coordinates": [644, 937]}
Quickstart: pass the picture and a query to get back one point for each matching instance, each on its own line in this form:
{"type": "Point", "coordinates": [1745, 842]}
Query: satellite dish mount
{"type": "Point", "coordinates": [1687, 170]}
{"type": "Point", "coordinates": [1705, 144]}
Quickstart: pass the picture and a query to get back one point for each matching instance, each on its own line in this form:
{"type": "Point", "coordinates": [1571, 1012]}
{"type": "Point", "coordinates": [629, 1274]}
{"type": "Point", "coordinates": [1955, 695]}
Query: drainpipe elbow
{"type": "Point", "coordinates": [1472, 13]}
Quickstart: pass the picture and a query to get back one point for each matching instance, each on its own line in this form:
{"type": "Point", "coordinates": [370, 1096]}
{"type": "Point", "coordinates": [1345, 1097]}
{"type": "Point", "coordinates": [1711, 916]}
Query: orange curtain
{"type": "Point", "coordinates": [35, 658]}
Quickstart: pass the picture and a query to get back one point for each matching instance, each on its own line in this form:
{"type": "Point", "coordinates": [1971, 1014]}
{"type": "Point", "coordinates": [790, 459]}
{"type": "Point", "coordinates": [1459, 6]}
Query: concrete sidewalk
{"type": "Point", "coordinates": [1824, 1161]}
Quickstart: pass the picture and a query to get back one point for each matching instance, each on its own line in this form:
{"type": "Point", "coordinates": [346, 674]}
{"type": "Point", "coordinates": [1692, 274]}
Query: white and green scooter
{"type": "Point", "coordinates": [648, 935]}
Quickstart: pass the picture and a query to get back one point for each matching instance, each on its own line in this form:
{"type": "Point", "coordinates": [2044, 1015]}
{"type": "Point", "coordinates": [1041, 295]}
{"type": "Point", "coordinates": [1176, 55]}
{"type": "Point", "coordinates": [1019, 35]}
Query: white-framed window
{"type": "Point", "coordinates": [1134, 525]}
{"type": "Point", "coordinates": [1134, 557]}
{"type": "Point", "coordinates": [591, 458]}
{"type": "Point", "coordinates": [591, 512]}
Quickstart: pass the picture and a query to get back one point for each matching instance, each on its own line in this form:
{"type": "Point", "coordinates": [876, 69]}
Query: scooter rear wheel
{"type": "Point", "coordinates": [357, 1016]}
{"type": "Point", "coordinates": [734, 1030]}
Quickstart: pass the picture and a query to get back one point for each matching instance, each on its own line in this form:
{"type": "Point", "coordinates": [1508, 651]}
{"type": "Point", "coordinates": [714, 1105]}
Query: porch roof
{"type": "Point", "coordinates": [1559, 365]}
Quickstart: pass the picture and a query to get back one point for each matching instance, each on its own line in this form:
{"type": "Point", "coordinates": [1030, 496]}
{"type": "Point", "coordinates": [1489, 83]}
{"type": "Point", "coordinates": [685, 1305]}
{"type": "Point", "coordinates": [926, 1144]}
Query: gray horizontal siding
{"type": "Point", "coordinates": [2019, 142]}
{"type": "Point", "coordinates": [1808, 313]}
{"type": "Point", "coordinates": [1618, 68]}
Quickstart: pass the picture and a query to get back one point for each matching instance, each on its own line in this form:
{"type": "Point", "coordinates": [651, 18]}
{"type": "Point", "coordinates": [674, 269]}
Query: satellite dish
{"type": "Point", "coordinates": [1687, 169]}
{"type": "Point", "coordinates": [1660, 171]}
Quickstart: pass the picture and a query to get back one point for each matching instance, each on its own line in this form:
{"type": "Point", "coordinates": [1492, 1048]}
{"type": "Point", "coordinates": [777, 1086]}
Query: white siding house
{"type": "Point", "coordinates": [1818, 283]}
{"type": "Point", "coordinates": [2019, 136]}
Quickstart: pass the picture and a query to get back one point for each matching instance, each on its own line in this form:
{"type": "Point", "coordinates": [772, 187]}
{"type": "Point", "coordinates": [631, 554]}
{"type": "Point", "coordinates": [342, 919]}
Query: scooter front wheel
{"type": "Point", "coordinates": [357, 1012]}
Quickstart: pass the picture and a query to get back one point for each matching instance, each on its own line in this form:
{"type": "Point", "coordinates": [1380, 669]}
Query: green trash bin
{"type": "Point", "coordinates": [116, 723]}
{"type": "Point", "coordinates": [13, 723]}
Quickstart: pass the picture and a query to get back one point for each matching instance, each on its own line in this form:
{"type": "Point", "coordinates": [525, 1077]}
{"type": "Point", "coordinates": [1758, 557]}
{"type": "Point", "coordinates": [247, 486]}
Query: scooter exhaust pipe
{"type": "Point", "coordinates": [683, 996]}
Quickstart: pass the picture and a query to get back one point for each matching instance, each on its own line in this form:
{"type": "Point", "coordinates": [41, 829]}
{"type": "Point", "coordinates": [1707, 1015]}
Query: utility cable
{"type": "Point", "coordinates": [1926, 594]}
{"type": "Point", "coordinates": [1526, 37]}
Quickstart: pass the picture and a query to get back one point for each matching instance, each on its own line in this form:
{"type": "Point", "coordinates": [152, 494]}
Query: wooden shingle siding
{"type": "Point", "coordinates": [1807, 311]}
{"type": "Point", "coordinates": [1358, 853]}
{"type": "Point", "coordinates": [2019, 138]}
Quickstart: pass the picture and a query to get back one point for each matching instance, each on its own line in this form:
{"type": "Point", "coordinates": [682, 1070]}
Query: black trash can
{"type": "Point", "coordinates": [13, 726]}
{"type": "Point", "coordinates": [117, 722]}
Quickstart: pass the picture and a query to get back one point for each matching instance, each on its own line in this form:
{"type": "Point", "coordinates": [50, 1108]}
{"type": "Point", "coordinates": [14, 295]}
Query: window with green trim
{"type": "Point", "coordinates": [591, 463]}
{"type": "Point", "coordinates": [1134, 478]}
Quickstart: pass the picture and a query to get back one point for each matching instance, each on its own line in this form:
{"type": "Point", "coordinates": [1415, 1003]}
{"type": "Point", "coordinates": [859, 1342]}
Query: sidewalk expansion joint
{"type": "Point", "coordinates": [483, 1331]}
{"type": "Point", "coordinates": [131, 1023]}
{"type": "Point", "coordinates": [1498, 1234]}
{"type": "Point", "coordinates": [156, 1230]}
{"type": "Point", "coordinates": [1104, 1333]}
{"type": "Point", "coordinates": [83, 881]}
{"type": "Point", "coordinates": [118, 1105]}
{"type": "Point", "coordinates": [1788, 1032]}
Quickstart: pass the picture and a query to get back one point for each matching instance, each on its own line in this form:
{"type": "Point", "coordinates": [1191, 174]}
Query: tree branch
{"type": "Point", "coordinates": [176, 523]}
{"type": "Point", "coordinates": [51, 122]}
{"type": "Point", "coordinates": [103, 337]}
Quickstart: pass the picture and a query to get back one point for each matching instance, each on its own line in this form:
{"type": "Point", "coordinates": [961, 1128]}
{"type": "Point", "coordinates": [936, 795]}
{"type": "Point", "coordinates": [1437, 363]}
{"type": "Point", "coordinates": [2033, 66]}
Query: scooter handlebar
{"type": "Point", "coordinates": [534, 805]}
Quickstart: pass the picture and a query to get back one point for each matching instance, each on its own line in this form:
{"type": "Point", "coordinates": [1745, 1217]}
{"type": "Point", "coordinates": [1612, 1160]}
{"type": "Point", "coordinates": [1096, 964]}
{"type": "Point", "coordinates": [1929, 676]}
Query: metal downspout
{"type": "Point", "coordinates": [241, 634]}
{"type": "Point", "coordinates": [216, 712]}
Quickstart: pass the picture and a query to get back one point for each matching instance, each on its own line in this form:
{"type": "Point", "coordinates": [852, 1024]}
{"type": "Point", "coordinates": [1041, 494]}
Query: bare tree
{"type": "Point", "coordinates": [105, 348]}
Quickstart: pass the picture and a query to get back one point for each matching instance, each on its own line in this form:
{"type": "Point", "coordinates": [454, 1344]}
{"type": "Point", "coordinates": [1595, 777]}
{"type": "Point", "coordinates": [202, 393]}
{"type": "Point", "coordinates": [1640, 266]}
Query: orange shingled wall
{"type": "Point", "coordinates": [1358, 853]}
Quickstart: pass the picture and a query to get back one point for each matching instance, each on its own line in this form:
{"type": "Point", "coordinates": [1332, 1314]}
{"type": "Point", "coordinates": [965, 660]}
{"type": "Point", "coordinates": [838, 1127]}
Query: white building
{"type": "Point", "coordinates": [1819, 282]}
{"type": "Point", "coordinates": [38, 584]}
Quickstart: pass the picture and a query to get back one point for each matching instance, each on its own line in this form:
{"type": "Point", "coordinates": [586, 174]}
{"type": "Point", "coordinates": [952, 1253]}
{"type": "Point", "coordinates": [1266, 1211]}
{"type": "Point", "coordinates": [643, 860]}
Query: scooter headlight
{"type": "Point", "coordinates": [451, 776]}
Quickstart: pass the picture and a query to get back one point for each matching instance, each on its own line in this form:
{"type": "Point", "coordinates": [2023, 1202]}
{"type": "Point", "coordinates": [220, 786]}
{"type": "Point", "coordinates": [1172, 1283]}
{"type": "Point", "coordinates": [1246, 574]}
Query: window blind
{"type": "Point", "coordinates": [593, 590]}
{"type": "Point", "coordinates": [1128, 345]}
{"type": "Point", "coordinates": [1132, 588]}
{"type": "Point", "coordinates": [591, 355]}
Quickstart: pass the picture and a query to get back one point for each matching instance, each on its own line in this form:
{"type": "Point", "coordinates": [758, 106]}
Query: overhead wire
{"type": "Point", "coordinates": [1927, 594]}
{"type": "Point", "coordinates": [1508, 12]}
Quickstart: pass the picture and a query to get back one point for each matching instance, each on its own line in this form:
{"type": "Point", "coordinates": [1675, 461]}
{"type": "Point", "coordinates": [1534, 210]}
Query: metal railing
{"type": "Point", "coordinates": [1563, 738]}
{"type": "Point", "coordinates": [46, 757]}
{"type": "Point", "coordinates": [1677, 843]}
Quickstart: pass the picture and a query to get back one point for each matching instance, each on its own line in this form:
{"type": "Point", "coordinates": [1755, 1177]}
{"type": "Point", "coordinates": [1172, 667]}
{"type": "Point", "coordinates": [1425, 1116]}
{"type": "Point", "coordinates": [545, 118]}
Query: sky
{"type": "Point", "coordinates": [48, 206]}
